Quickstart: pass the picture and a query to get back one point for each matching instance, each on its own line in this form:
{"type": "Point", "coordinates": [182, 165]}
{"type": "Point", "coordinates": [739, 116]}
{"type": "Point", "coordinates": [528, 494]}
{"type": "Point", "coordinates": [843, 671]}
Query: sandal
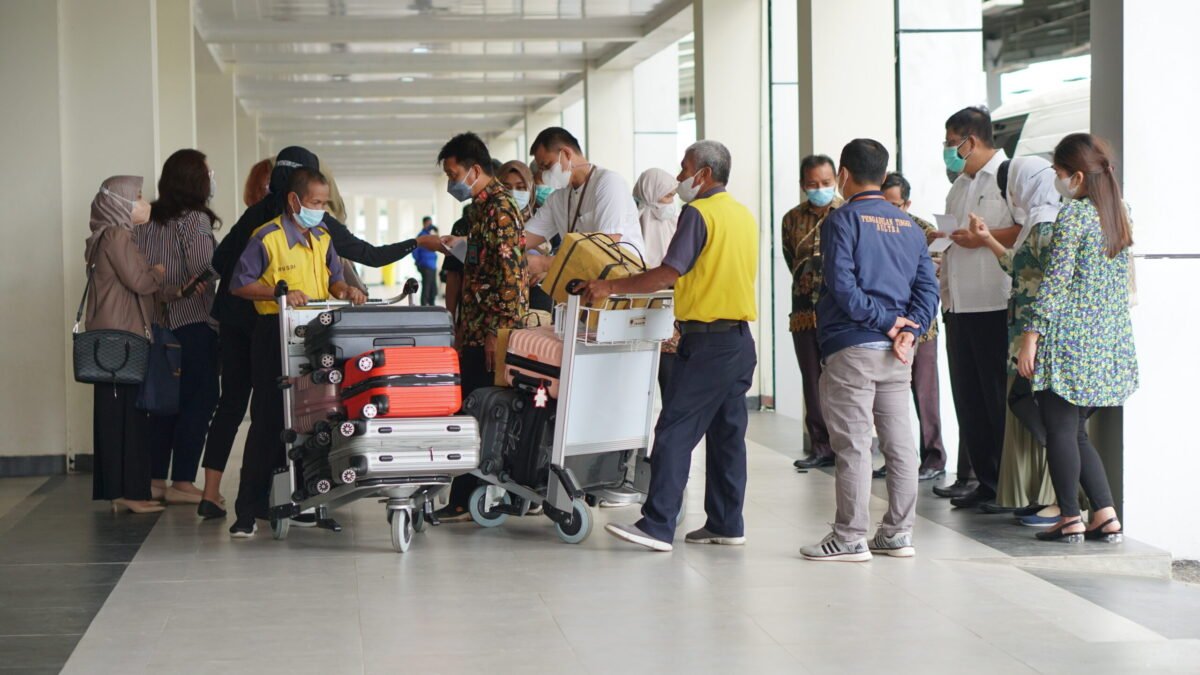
{"type": "Point", "coordinates": [1098, 534]}
{"type": "Point", "coordinates": [1057, 534]}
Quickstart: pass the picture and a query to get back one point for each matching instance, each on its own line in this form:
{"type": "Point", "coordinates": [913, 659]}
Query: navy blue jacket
{"type": "Point", "coordinates": [876, 267]}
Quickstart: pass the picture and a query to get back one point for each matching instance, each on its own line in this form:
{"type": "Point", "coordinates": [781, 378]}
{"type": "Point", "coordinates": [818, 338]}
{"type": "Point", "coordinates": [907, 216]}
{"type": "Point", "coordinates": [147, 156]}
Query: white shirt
{"type": "Point", "coordinates": [971, 280]}
{"type": "Point", "coordinates": [607, 207]}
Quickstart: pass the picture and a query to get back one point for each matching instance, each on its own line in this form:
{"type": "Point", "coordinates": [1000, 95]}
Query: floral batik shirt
{"type": "Point", "coordinates": [493, 293]}
{"type": "Point", "coordinates": [802, 253]}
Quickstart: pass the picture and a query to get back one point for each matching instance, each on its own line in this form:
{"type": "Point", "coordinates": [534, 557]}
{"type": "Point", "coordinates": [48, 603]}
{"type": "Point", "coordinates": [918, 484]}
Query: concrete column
{"type": "Point", "coordinates": [372, 275]}
{"type": "Point", "coordinates": [608, 119]}
{"type": "Point", "coordinates": [175, 77]}
{"type": "Point", "coordinates": [216, 132]}
{"type": "Point", "coordinates": [730, 103]}
{"type": "Point", "coordinates": [106, 107]}
{"type": "Point", "coordinates": [1130, 92]}
{"type": "Point", "coordinates": [247, 144]}
{"type": "Point", "coordinates": [574, 120]}
{"type": "Point", "coordinates": [36, 439]}
{"type": "Point", "coordinates": [656, 112]}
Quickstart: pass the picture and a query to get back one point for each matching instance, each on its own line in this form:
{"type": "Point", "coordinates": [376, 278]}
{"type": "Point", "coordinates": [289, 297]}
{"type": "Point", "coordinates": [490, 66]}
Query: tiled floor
{"type": "Point", "coordinates": [516, 599]}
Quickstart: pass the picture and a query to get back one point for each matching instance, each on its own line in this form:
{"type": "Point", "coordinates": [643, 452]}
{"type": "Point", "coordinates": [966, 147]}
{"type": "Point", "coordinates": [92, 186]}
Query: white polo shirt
{"type": "Point", "coordinates": [607, 207]}
{"type": "Point", "coordinates": [971, 280]}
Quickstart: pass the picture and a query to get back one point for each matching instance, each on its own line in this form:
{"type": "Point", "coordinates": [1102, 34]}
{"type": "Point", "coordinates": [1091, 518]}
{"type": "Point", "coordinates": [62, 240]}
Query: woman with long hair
{"type": "Point", "coordinates": [120, 297]}
{"type": "Point", "coordinates": [1078, 349]}
{"type": "Point", "coordinates": [179, 237]}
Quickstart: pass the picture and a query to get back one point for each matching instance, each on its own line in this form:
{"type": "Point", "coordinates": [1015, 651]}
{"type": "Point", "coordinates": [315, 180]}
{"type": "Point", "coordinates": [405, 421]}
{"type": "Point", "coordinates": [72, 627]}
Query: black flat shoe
{"type": "Point", "coordinates": [974, 500]}
{"type": "Point", "coordinates": [1056, 534]}
{"type": "Point", "coordinates": [1098, 534]}
{"type": "Point", "coordinates": [813, 462]}
{"type": "Point", "coordinates": [994, 508]}
{"type": "Point", "coordinates": [881, 472]}
{"type": "Point", "coordinates": [955, 489]}
{"type": "Point", "coordinates": [210, 510]}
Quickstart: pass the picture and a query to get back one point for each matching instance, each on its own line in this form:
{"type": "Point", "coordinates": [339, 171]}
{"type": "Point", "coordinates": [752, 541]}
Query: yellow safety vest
{"type": "Point", "coordinates": [720, 284]}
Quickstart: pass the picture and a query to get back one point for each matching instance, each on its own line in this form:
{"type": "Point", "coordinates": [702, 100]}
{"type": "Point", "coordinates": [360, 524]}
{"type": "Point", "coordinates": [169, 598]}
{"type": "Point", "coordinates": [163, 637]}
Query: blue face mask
{"type": "Point", "coordinates": [821, 197]}
{"type": "Point", "coordinates": [954, 162]}
{"type": "Point", "coordinates": [460, 190]}
{"type": "Point", "coordinates": [310, 218]}
{"type": "Point", "coordinates": [541, 193]}
{"type": "Point", "coordinates": [521, 197]}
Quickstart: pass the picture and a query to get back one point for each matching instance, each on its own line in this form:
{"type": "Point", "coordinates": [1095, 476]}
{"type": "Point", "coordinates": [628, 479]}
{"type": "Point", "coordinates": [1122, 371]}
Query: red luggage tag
{"type": "Point", "coordinates": [540, 397]}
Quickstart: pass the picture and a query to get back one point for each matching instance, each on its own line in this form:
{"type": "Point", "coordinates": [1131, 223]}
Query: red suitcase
{"type": "Point", "coordinates": [316, 397]}
{"type": "Point", "coordinates": [403, 382]}
{"type": "Point", "coordinates": [535, 353]}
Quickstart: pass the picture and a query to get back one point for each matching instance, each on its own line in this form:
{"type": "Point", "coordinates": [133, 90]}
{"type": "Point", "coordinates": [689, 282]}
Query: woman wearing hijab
{"type": "Point", "coordinates": [179, 236]}
{"type": "Point", "coordinates": [654, 194]}
{"type": "Point", "coordinates": [123, 285]}
{"type": "Point", "coordinates": [518, 178]}
{"type": "Point", "coordinates": [1024, 479]}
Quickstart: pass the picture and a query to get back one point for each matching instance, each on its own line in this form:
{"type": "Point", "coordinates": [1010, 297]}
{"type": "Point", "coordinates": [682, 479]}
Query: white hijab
{"type": "Point", "coordinates": [1031, 194]}
{"type": "Point", "coordinates": [658, 220]}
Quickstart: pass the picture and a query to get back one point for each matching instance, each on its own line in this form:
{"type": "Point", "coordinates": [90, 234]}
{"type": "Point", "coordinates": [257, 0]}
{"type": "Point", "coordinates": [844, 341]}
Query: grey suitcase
{"type": "Point", "coordinates": [340, 334]}
{"type": "Point", "coordinates": [413, 447]}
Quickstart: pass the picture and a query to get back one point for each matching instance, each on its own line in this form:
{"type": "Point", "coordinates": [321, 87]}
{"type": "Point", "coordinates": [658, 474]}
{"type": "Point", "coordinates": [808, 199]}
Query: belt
{"type": "Point", "coordinates": [718, 326]}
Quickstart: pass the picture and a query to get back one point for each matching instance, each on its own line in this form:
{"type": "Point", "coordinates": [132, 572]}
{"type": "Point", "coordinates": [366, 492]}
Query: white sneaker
{"type": "Point", "coordinates": [634, 535]}
{"type": "Point", "coordinates": [832, 549]}
{"type": "Point", "coordinates": [898, 545]}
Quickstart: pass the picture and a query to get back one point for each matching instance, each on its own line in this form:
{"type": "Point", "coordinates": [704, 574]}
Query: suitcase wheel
{"type": "Point", "coordinates": [348, 429]}
{"type": "Point", "coordinates": [325, 318]}
{"type": "Point", "coordinates": [328, 360]}
{"type": "Point", "coordinates": [366, 364]}
{"type": "Point", "coordinates": [369, 411]}
{"type": "Point", "coordinates": [323, 438]}
{"type": "Point", "coordinates": [301, 331]}
{"type": "Point", "coordinates": [382, 404]}
{"type": "Point", "coordinates": [324, 485]}
{"type": "Point", "coordinates": [349, 476]}
{"type": "Point", "coordinates": [335, 377]}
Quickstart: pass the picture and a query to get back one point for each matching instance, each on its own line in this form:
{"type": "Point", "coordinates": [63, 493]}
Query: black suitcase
{"type": "Point", "coordinates": [499, 411]}
{"type": "Point", "coordinates": [340, 334]}
{"type": "Point", "coordinates": [528, 459]}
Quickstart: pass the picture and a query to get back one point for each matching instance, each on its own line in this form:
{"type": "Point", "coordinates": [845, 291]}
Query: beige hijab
{"type": "Point", "coordinates": [112, 207]}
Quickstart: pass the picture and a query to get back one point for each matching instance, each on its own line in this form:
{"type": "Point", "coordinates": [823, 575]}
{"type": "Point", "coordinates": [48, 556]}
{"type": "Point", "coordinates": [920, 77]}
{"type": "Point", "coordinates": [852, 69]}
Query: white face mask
{"type": "Point", "coordinates": [1063, 185]}
{"type": "Point", "coordinates": [139, 209]}
{"type": "Point", "coordinates": [665, 211]}
{"type": "Point", "coordinates": [686, 190]}
{"type": "Point", "coordinates": [556, 177]}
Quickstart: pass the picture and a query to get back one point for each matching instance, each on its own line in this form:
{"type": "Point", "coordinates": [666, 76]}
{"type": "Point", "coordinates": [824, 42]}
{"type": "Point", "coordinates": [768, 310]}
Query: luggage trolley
{"type": "Point", "coordinates": [408, 499]}
{"type": "Point", "coordinates": [605, 405]}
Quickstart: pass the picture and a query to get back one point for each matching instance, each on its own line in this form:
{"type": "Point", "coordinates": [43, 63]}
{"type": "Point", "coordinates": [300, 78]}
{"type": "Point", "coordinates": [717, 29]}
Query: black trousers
{"type": "Point", "coordinates": [264, 446]}
{"type": "Point", "coordinates": [978, 345]}
{"type": "Point", "coordinates": [666, 368]}
{"type": "Point", "coordinates": [927, 400]}
{"type": "Point", "coordinates": [121, 443]}
{"type": "Point", "coordinates": [475, 375]}
{"type": "Point", "coordinates": [177, 440]}
{"type": "Point", "coordinates": [428, 286]}
{"type": "Point", "coordinates": [808, 355]}
{"type": "Point", "coordinates": [234, 346]}
{"type": "Point", "coordinates": [705, 398]}
{"type": "Point", "coordinates": [1072, 458]}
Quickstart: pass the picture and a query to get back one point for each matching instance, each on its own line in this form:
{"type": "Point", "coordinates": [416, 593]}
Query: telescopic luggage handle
{"type": "Point", "coordinates": [575, 287]}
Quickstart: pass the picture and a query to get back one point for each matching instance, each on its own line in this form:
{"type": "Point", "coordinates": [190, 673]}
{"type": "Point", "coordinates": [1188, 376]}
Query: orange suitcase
{"type": "Point", "coordinates": [402, 382]}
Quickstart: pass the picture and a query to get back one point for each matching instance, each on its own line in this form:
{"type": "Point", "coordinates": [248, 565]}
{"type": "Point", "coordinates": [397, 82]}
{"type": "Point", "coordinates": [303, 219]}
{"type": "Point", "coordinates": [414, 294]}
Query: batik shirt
{"type": "Point", "coordinates": [928, 227]}
{"type": "Point", "coordinates": [1026, 265]}
{"type": "Point", "coordinates": [801, 251]}
{"type": "Point", "coordinates": [1086, 353]}
{"type": "Point", "coordinates": [493, 291]}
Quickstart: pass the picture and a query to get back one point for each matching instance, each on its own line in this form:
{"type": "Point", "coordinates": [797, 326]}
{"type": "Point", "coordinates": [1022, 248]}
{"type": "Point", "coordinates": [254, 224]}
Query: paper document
{"type": "Point", "coordinates": [939, 245]}
{"type": "Point", "coordinates": [459, 250]}
{"type": "Point", "coordinates": [946, 223]}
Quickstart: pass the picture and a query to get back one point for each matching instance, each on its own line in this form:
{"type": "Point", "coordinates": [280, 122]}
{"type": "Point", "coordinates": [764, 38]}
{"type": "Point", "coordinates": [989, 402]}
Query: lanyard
{"type": "Point", "coordinates": [579, 208]}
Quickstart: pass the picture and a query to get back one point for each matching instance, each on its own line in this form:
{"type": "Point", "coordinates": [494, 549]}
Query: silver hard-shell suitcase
{"type": "Point", "coordinates": [414, 447]}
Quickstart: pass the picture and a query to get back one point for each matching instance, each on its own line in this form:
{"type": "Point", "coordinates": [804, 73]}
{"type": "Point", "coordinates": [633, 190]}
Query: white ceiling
{"type": "Point", "coordinates": [375, 87]}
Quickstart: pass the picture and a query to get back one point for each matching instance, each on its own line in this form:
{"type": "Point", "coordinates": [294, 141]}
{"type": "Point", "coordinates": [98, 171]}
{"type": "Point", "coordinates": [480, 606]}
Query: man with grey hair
{"type": "Point", "coordinates": [712, 262]}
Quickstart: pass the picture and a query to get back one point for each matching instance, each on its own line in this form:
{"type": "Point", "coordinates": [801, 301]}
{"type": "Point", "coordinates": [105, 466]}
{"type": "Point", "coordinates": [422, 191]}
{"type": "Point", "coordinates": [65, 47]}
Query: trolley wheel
{"type": "Point", "coordinates": [280, 527]}
{"type": "Point", "coordinates": [402, 530]}
{"type": "Point", "coordinates": [581, 523]}
{"type": "Point", "coordinates": [481, 511]}
{"type": "Point", "coordinates": [328, 360]}
{"type": "Point", "coordinates": [419, 524]}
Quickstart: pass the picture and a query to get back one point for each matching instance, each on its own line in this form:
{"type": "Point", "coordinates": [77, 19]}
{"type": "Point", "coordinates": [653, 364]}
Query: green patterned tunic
{"type": "Point", "coordinates": [1086, 353]}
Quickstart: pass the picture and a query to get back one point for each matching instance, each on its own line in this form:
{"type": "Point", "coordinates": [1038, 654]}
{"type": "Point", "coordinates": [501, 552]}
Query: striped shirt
{"type": "Point", "coordinates": [167, 244]}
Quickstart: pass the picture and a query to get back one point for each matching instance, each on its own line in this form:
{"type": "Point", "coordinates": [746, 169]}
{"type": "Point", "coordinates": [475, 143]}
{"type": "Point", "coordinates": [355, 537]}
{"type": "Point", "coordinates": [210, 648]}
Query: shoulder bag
{"type": "Point", "coordinates": [107, 356]}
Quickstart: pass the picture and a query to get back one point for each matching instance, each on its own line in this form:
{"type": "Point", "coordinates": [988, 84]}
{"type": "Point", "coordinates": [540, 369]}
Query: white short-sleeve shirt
{"type": "Point", "coordinates": [607, 208]}
{"type": "Point", "coordinates": [971, 280]}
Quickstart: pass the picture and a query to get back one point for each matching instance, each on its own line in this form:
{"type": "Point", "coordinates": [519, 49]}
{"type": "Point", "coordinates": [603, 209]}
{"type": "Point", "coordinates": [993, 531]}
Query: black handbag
{"type": "Point", "coordinates": [159, 393]}
{"type": "Point", "coordinates": [107, 356]}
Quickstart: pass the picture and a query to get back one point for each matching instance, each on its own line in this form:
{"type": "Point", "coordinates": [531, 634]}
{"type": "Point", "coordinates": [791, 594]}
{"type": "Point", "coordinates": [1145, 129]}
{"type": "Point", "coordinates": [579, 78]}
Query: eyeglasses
{"type": "Point", "coordinates": [955, 144]}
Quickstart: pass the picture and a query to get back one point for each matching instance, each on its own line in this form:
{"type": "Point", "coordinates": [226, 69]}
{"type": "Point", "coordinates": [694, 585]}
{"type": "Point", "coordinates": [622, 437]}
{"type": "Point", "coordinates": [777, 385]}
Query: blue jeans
{"type": "Point", "coordinates": [705, 398]}
{"type": "Point", "coordinates": [176, 441]}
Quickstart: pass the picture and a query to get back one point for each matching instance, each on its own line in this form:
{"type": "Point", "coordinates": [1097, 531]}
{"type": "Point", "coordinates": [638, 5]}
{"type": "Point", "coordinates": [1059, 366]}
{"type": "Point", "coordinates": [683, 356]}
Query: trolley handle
{"type": "Point", "coordinates": [411, 286]}
{"type": "Point", "coordinates": [575, 287]}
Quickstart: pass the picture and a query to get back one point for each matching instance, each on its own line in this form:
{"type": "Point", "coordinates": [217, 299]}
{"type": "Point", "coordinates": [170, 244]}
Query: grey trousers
{"type": "Point", "coordinates": [860, 386]}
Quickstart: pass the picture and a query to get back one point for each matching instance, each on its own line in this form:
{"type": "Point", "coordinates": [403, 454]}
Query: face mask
{"type": "Point", "coordinates": [556, 177]}
{"type": "Point", "coordinates": [542, 193]}
{"type": "Point", "coordinates": [666, 211]}
{"type": "Point", "coordinates": [139, 210]}
{"type": "Point", "coordinates": [1063, 185]}
{"type": "Point", "coordinates": [212, 185]}
{"type": "Point", "coordinates": [521, 197]}
{"type": "Point", "coordinates": [310, 218]}
{"type": "Point", "coordinates": [686, 190]}
{"type": "Point", "coordinates": [952, 159]}
{"type": "Point", "coordinates": [460, 190]}
{"type": "Point", "coordinates": [820, 197]}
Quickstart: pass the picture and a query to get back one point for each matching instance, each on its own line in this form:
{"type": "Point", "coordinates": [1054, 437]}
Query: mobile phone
{"type": "Point", "coordinates": [207, 275]}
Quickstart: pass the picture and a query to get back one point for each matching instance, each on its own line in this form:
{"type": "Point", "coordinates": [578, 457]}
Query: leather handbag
{"type": "Point", "coordinates": [107, 356]}
{"type": "Point", "coordinates": [159, 393]}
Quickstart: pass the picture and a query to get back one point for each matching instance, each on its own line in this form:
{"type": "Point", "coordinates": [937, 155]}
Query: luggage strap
{"type": "Point", "coordinates": [538, 367]}
{"type": "Point", "coordinates": [415, 380]}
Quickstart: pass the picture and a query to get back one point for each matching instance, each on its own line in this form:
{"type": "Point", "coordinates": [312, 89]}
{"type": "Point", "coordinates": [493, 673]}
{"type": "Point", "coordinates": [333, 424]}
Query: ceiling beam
{"type": "Point", "coordinates": [421, 29]}
{"type": "Point", "coordinates": [251, 89]}
{"type": "Point", "coordinates": [668, 24]}
{"type": "Point", "coordinates": [281, 109]}
{"type": "Point", "coordinates": [386, 125]}
{"type": "Point", "coordinates": [359, 62]}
